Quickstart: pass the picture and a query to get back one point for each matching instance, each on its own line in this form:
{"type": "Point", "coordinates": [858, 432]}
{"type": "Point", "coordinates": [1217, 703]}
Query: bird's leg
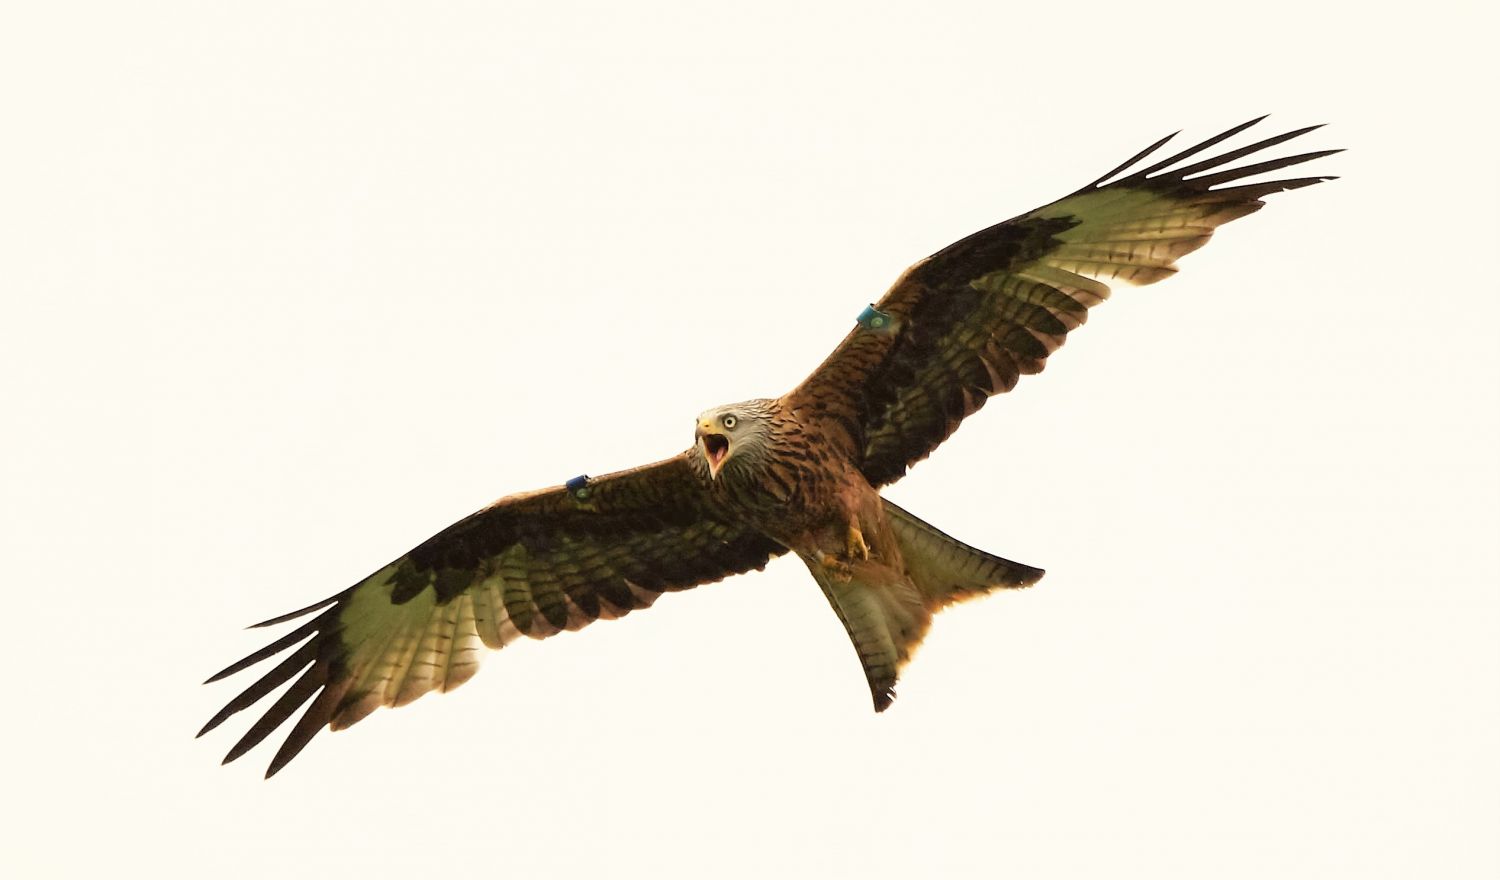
{"type": "Point", "coordinates": [854, 543]}
{"type": "Point", "coordinates": [840, 569]}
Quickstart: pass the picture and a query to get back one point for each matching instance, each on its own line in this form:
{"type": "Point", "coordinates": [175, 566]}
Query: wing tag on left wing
{"type": "Point", "coordinates": [875, 320]}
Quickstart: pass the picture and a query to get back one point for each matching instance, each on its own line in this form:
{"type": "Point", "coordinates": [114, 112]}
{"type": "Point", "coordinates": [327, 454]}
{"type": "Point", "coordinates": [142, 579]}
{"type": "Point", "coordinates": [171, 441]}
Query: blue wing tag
{"type": "Point", "coordinates": [579, 487]}
{"type": "Point", "coordinates": [875, 320]}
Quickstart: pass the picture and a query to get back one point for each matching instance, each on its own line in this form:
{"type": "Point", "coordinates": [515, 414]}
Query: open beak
{"type": "Point", "coordinates": [715, 449]}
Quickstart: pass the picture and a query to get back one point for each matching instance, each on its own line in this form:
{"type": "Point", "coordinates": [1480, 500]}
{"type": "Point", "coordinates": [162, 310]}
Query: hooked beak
{"type": "Point", "coordinates": [715, 449]}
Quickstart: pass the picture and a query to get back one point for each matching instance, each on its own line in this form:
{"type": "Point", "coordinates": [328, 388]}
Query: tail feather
{"type": "Point", "coordinates": [885, 616]}
{"type": "Point", "coordinates": [887, 610]}
{"type": "Point", "coordinates": [947, 570]}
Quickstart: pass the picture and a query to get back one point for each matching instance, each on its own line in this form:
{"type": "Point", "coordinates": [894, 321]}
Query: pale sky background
{"type": "Point", "coordinates": [290, 286]}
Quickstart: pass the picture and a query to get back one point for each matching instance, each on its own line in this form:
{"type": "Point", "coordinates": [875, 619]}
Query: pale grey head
{"type": "Point", "coordinates": [735, 435]}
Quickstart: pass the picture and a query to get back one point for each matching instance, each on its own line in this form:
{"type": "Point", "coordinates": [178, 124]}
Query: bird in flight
{"type": "Point", "coordinates": [799, 473]}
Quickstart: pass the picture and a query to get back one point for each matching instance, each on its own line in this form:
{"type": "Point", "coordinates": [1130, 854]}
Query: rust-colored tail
{"type": "Point", "coordinates": [886, 609]}
{"type": "Point", "coordinates": [947, 570]}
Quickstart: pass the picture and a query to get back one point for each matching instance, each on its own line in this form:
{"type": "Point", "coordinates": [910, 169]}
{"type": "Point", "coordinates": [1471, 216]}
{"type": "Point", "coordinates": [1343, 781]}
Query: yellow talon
{"type": "Point", "coordinates": [855, 546]}
{"type": "Point", "coordinates": [840, 569]}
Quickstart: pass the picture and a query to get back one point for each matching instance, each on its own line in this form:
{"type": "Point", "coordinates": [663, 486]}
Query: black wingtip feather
{"type": "Point", "coordinates": [1161, 176]}
{"type": "Point", "coordinates": [275, 647]}
{"type": "Point", "coordinates": [1132, 160]}
{"type": "Point", "coordinates": [313, 720]}
{"type": "Point", "coordinates": [1226, 158]}
{"type": "Point", "coordinates": [1197, 148]}
{"type": "Point", "coordinates": [1256, 190]}
{"type": "Point", "coordinates": [293, 615]}
{"type": "Point", "coordinates": [283, 671]}
{"type": "Point", "coordinates": [300, 692]}
{"type": "Point", "coordinates": [1232, 174]}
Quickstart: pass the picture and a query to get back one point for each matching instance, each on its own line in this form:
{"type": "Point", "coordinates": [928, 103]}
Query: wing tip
{"type": "Point", "coordinates": [1099, 181]}
{"type": "Point", "coordinates": [319, 651]}
{"type": "Point", "coordinates": [279, 762]}
{"type": "Point", "coordinates": [293, 615]}
{"type": "Point", "coordinates": [1162, 174]}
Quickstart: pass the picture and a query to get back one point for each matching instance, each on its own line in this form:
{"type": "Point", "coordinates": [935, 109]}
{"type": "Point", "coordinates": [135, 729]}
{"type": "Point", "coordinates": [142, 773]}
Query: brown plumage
{"type": "Point", "coordinates": [799, 473]}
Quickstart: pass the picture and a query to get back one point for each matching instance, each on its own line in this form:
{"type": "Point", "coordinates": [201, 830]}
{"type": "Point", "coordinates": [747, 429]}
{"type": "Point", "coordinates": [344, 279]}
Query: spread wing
{"type": "Point", "coordinates": [967, 322]}
{"type": "Point", "coordinates": [529, 565]}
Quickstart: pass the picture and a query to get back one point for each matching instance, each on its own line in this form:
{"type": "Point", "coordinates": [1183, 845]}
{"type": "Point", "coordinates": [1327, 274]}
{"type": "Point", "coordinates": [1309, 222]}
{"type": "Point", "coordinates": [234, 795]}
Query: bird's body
{"type": "Point", "coordinates": [800, 473]}
{"type": "Point", "coordinates": [786, 482]}
{"type": "Point", "coordinates": [803, 488]}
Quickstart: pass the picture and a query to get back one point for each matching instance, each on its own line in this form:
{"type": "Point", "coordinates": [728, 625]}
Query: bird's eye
{"type": "Point", "coordinates": [729, 422]}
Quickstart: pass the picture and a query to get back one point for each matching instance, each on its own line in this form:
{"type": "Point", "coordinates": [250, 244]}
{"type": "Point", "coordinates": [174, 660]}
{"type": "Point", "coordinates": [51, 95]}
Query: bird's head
{"type": "Point", "coordinates": [736, 430]}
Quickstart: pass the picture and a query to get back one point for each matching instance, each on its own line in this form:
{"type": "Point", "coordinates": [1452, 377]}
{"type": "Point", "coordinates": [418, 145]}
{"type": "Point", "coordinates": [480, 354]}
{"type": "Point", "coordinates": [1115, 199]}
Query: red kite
{"type": "Point", "coordinates": [799, 473]}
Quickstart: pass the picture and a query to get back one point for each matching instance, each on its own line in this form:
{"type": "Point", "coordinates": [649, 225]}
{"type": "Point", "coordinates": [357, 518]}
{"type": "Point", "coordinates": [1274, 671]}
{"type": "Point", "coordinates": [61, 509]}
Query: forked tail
{"type": "Point", "coordinates": [887, 609]}
{"type": "Point", "coordinates": [947, 570]}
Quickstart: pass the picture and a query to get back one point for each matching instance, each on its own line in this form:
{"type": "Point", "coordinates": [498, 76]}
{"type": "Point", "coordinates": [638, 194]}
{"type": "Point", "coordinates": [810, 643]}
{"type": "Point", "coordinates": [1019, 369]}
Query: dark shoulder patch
{"type": "Point", "coordinates": [998, 247]}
